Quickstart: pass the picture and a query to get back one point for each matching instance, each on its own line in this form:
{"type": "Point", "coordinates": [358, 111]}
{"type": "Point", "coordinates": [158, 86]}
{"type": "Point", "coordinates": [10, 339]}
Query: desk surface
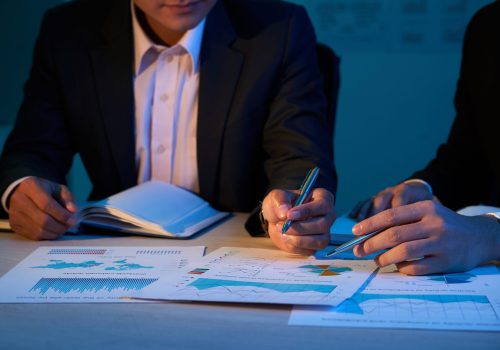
{"type": "Point", "coordinates": [191, 325]}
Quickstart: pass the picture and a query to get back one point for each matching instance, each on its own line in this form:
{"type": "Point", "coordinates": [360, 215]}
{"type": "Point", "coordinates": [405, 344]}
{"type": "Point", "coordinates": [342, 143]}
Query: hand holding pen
{"type": "Point", "coordinates": [351, 244]}
{"type": "Point", "coordinates": [305, 192]}
{"type": "Point", "coordinates": [310, 221]}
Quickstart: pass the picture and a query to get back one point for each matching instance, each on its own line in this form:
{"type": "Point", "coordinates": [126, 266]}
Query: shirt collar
{"type": "Point", "coordinates": [190, 41]}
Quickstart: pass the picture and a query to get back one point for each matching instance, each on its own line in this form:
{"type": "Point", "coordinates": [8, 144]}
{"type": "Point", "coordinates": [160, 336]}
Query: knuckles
{"type": "Point", "coordinates": [394, 236]}
{"type": "Point", "coordinates": [325, 226]}
{"type": "Point", "coordinates": [414, 270]}
{"type": "Point", "coordinates": [439, 225]}
{"type": "Point", "coordinates": [30, 184]}
{"type": "Point", "coordinates": [367, 247]}
{"type": "Point", "coordinates": [429, 207]}
{"type": "Point", "coordinates": [306, 212]}
{"type": "Point", "coordinates": [323, 243]}
{"type": "Point", "coordinates": [407, 252]}
{"type": "Point", "coordinates": [46, 206]}
{"type": "Point", "coordinates": [45, 223]}
{"type": "Point", "coordinates": [39, 233]}
{"type": "Point", "coordinates": [390, 217]}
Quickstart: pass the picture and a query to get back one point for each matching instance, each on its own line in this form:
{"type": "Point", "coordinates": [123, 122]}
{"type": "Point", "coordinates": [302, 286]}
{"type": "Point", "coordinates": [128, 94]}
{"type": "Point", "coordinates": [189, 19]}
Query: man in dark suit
{"type": "Point", "coordinates": [422, 231]}
{"type": "Point", "coordinates": [223, 98]}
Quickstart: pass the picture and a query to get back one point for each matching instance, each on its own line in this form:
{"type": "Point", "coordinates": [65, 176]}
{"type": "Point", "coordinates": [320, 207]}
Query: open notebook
{"type": "Point", "coordinates": [153, 208]}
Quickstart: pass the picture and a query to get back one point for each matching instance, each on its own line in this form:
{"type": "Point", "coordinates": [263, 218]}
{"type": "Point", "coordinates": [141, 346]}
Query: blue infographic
{"type": "Point", "coordinates": [265, 276]}
{"type": "Point", "coordinates": [91, 274]}
{"type": "Point", "coordinates": [207, 283]}
{"type": "Point", "coordinates": [456, 301]}
{"type": "Point", "coordinates": [83, 285]}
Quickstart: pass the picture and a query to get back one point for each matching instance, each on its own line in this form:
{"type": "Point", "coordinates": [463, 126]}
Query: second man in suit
{"type": "Point", "coordinates": [420, 229]}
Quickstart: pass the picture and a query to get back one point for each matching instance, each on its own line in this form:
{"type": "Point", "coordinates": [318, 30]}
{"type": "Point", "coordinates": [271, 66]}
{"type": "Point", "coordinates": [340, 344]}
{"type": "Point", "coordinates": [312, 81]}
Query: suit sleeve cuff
{"type": "Point", "coordinates": [8, 192]}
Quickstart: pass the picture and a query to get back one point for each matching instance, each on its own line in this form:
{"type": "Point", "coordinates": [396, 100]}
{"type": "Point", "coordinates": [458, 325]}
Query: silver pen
{"type": "Point", "coordinates": [351, 243]}
{"type": "Point", "coordinates": [305, 192]}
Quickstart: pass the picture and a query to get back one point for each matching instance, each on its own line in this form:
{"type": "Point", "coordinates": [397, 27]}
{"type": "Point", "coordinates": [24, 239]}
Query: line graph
{"type": "Point", "coordinates": [236, 274]}
{"type": "Point", "coordinates": [207, 283]}
{"type": "Point", "coordinates": [253, 291]}
{"type": "Point", "coordinates": [432, 307]}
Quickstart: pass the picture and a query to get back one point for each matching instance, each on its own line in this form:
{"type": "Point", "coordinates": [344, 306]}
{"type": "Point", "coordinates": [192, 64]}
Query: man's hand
{"type": "Point", "coordinates": [310, 229]}
{"type": "Point", "coordinates": [391, 197]}
{"type": "Point", "coordinates": [426, 237]}
{"type": "Point", "coordinates": [40, 209]}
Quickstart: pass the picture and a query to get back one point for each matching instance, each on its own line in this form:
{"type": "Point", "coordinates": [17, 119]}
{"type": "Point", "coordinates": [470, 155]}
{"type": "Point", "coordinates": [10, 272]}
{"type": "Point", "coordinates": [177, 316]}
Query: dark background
{"type": "Point", "coordinates": [400, 62]}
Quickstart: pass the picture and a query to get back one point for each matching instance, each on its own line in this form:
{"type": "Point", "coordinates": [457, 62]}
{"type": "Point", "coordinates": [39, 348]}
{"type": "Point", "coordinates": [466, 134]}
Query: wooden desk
{"type": "Point", "coordinates": [191, 325]}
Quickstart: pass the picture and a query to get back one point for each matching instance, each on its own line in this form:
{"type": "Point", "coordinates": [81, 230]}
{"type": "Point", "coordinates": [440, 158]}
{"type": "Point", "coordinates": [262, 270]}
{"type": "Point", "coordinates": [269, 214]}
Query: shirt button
{"type": "Point", "coordinates": [164, 98]}
{"type": "Point", "coordinates": [160, 149]}
{"type": "Point", "coordinates": [168, 58]}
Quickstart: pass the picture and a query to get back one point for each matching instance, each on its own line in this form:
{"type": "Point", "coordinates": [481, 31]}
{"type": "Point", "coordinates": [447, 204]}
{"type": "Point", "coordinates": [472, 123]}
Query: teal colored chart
{"type": "Point", "coordinates": [89, 285]}
{"type": "Point", "coordinates": [326, 270]}
{"type": "Point", "coordinates": [434, 306]}
{"type": "Point", "coordinates": [61, 264]}
{"type": "Point", "coordinates": [123, 265]}
{"type": "Point", "coordinates": [207, 283]}
{"type": "Point", "coordinates": [118, 265]}
{"type": "Point", "coordinates": [454, 278]}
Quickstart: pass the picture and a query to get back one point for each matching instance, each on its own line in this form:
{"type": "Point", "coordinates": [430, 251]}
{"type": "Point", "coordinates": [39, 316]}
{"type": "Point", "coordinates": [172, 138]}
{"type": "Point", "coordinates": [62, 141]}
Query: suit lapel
{"type": "Point", "coordinates": [220, 67]}
{"type": "Point", "coordinates": [113, 66]}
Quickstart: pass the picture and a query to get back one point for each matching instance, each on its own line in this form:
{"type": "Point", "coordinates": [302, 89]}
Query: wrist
{"type": "Point", "coordinates": [493, 230]}
{"type": "Point", "coordinates": [263, 222]}
{"type": "Point", "coordinates": [9, 191]}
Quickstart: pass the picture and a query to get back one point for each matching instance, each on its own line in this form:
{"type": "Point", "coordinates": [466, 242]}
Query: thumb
{"type": "Point", "coordinates": [67, 199]}
{"type": "Point", "coordinates": [276, 205]}
{"type": "Point", "coordinates": [280, 203]}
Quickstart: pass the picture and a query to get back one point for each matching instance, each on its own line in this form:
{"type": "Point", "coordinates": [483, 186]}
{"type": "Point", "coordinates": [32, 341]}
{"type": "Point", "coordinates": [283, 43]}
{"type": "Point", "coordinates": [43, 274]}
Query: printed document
{"type": "Point", "coordinates": [264, 276]}
{"type": "Point", "coordinates": [90, 274]}
{"type": "Point", "coordinates": [457, 301]}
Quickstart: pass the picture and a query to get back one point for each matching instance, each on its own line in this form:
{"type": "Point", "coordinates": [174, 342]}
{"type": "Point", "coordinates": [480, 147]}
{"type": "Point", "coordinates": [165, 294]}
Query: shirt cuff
{"type": "Point", "coordinates": [496, 215]}
{"type": "Point", "coordinates": [9, 190]}
{"type": "Point", "coordinates": [420, 181]}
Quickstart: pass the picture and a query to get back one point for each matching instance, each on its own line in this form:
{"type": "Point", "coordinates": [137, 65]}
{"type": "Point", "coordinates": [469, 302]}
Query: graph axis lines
{"type": "Point", "coordinates": [439, 307]}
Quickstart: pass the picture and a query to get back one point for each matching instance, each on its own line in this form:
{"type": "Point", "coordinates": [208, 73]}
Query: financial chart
{"type": "Point", "coordinates": [265, 276]}
{"type": "Point", "coordinates": [461, 301]}
{"type": "Point", "coordinates": [91, 274]}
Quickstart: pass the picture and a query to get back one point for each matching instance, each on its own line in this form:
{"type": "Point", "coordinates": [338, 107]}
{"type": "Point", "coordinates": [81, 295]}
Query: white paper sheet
{"type": "Point", "coordinates": [463, 301]}
{"type": "Point", "coordinates": [90, 274]}
{"type": "Point", "coordinates": [264, 276]}
{"type": "Point", "coordinates": [478, 210]}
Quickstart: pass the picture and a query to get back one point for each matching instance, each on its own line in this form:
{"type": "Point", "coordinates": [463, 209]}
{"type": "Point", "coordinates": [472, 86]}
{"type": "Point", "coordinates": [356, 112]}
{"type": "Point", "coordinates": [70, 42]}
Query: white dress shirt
{"type": "Point", "coordinates": [166, 84]}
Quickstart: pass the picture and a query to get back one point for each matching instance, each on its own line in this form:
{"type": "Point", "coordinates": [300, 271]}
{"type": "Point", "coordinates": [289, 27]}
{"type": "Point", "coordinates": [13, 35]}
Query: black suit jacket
{"type": "Point", "coordinates": [262, 115]}
{"type": "Point", "coordinates": [466, 170]}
